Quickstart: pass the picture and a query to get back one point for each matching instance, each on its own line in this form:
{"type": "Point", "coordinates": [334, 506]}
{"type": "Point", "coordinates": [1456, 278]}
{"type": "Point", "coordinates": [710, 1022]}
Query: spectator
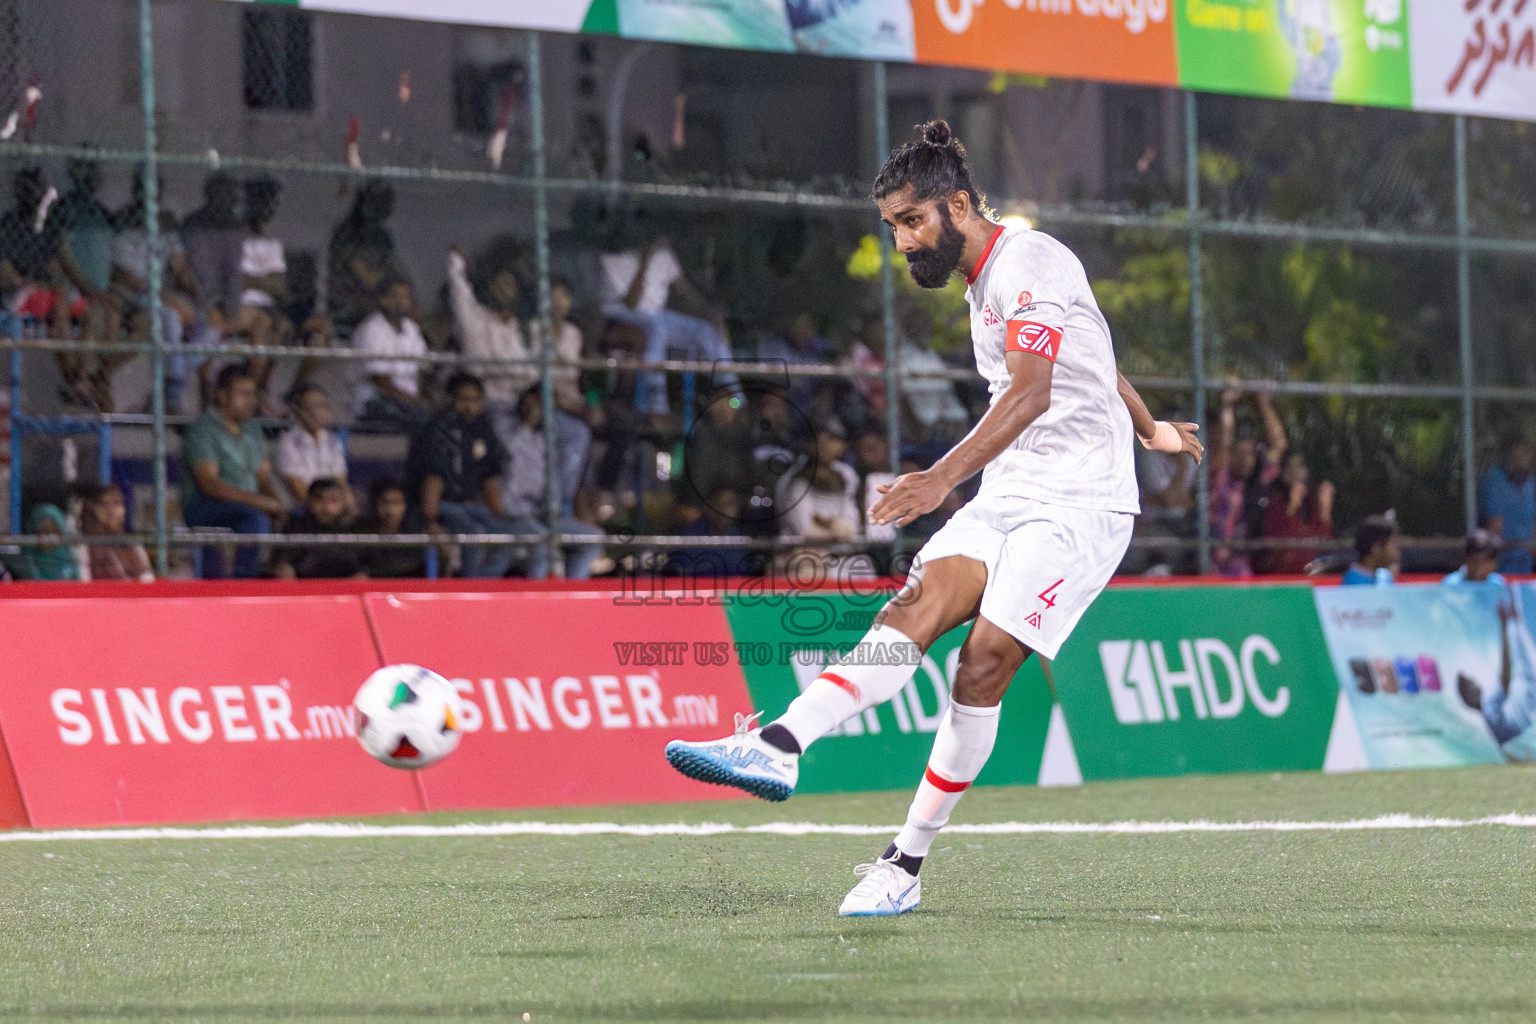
{"type": "Point", "coordinates": [523, 492]}
{"type": "Point", "coordinates": [800, 345]}
{"type": "Point", "coordinates": [454, 469]}
{"type": "Point", "coordinates": [1378, 558]}
{"type": "Point", "coordinates": [390, 561]}
{"type": "Point", "coordinates": [1507, 504]}
{"type": "Point", "coordinates": [718, 515]}
{"type": "Point", "coordinates": [574, 421]}
{"type": "Point", "coordinates": [818, 499]}
{"type": "Point", "coordinates": [638, 283]}
{"type": "Point", "coordinates": [325, 511]}
{"type": "Point", "coordinates": [180, 296]}
{"type": "Point", "coordinates": [226, 478]}
{"type": "Point", "coordinates": [1295, 511]}
{"type": "Point", "coordinates": [310, 449]}
{"type": "Point", "coordinates": [391, 394]}
{"type": "Point", "coordinates": [719, 451]}
{"type": "Point", "coordinates": [362, 255]}
{"type": "Point", "coordinates": [1242, 473]}
{"type": "Point", "coordinates": [49, 559]}
{"type": "Point", "coordinates": [872, 453]}
{"type": "Point", "coordinates": [932, 402]}
{"type": "Point", "coordinates": [1166, 482]}
{"type": "Point", "coordinates": [1483, 549]}
{"type": "Point", "coordinates": [263, 279]}
{"type": "Point", "coordinates": [88, 225]}
{"type": "Point", "coordinates": [104, 514]}
{"type": "Point", "coordinates": [489, 329]}
{"type": "Point", "coordinates": [214, 240]}
{"type": "Point", "coordinates": [40, 276]}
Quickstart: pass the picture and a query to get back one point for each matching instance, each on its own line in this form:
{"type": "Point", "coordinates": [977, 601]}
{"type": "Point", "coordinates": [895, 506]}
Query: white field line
{"type": "Point", "coordinates": [339, 830]}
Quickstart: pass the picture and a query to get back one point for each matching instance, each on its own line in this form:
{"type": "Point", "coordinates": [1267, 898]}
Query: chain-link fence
{"type": "Point", "coordinates": [348, 211]}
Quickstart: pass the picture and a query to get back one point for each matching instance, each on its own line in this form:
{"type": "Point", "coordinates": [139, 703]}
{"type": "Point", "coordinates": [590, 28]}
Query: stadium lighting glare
{"type": "Point", "coordinates": [1016, 221]}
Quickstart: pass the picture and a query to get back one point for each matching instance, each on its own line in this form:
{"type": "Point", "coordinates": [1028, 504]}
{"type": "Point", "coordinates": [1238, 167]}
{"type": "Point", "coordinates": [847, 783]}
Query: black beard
{"type": "Point", "coordinates": [931, 268]}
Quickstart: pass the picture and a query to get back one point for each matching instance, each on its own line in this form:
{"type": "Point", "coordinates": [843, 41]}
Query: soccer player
{"type": "Point", "coordinates": [1025, 557]}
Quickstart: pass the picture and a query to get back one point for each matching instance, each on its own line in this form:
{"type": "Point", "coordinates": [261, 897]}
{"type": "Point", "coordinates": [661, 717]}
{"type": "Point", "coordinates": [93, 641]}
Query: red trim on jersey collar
{"type": "Point", "coordinates": [970, 278]}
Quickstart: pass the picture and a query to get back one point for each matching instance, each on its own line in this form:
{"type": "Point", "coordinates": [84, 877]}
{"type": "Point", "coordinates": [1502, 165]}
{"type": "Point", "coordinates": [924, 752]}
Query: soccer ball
{"type": "Point", "coordinates": [407, 716]}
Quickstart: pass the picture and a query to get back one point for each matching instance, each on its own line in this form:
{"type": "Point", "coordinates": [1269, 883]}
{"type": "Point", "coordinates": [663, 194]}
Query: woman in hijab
{"type": "Point", "coordinates": [49, 559]}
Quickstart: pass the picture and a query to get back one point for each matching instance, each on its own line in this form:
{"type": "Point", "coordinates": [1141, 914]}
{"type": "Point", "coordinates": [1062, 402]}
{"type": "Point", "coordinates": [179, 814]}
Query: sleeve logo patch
{"type": "Point", "coordinates": [1025, 299]}
{"type": "Point", "coordinates": [1028, 336]}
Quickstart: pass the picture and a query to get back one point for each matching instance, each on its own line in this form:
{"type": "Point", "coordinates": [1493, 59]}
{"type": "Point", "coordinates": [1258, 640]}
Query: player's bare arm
{"type": "Point", "coordinates": [1173, 438]}
{"type": "Point", "coordinates": [1025, 400]}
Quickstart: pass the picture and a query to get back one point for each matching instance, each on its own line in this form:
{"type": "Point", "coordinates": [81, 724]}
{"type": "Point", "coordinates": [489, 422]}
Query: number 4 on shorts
{"type": "Point", "coordinates": [1045, 595]}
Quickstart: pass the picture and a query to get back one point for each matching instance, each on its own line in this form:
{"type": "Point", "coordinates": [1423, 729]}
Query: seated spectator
{"type": "Point", "coordinates": [87, 224]}
{"type": "Point", "coordinates": [1506, 499]}
{"type": "Point", "coordinates": [391, 394]}
{"type": "Point", "coordinates": [325, 511]}
{"type": "Point", "coordinates": [214, 239]}
{"type": "Point", "coordinates": [574, 421]}
{"type": "Point", "coordinates": [1241, 472]}
{"type": "Point", "coordinates": [263, 279]}
{"type": "Point", "coordinates": [800, 345]}
{"type": "Point", "coordinates": [104, 514]}
{"type": "Point", "coordinates": [361, 256]}
{"type": "Point", "coordinates": [818, 499]}
{"type": "Point", "coordinates": [718, 454]}
{"type": "Point", "coordinates": [1296, 510]}
{"type": "Point", "coordinates": [1481, 566]}
{"type": "Point", "coordinates": [226, 479]}
{"type": "Point", "coordinates": [638, 283]}
{"type": "Point", "coordinates": [180, 295]}
{"type": "Point", "coordinates": [523, 492]}
{"type": "Point", "coordinates": [49, 559]}
{"type": "Point", "coordinates": [488, 328]}
{"type": "Point", "coordinates": [454, 470]}
{"type": "Point", "coordinates": [310, 449]}
{"type": "Point", "coordinates": [717, 515]}
{"type": "Point", "coordinates": [1378, 558]}
{"type": "Point", "coordinates": [390, 561]}
{"type": "Point", "coordinates": [42, 280]}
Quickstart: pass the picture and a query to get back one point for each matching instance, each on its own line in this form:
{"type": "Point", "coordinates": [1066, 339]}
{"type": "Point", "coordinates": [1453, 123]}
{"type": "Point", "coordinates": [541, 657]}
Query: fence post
{"type": "Point", "coordinates": [152, 233]}
{"type": "Point", "coordinates": [1464, 324]}
{"type": "Point", "coordinates": [1197, 317]}
{"type": "Point", "coordinates": [546, 329]}
{"type": "Point", "coordinates": [887, 282]}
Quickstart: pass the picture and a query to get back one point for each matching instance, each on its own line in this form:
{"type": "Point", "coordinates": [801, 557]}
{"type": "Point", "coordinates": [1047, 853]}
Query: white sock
{"type": "Point", "coordinates": [960, 750]}
{"type": "Point", "coordinates": [869, 674]}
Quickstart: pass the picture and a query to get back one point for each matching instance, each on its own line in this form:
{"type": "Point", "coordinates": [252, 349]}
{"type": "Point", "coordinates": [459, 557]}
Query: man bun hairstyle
{"type": "Point", "coordinates": [934, 164]}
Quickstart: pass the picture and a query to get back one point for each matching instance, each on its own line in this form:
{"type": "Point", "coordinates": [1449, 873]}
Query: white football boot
{"type": "Point", "coordinates": [883, 890]}
{"type": "Point", "coordinates": [743, 760]}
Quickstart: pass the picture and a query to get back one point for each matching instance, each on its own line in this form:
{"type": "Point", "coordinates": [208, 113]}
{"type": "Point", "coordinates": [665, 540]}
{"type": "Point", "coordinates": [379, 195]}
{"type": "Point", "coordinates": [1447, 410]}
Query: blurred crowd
{"type": "Point", "coordinates": [608, 448]}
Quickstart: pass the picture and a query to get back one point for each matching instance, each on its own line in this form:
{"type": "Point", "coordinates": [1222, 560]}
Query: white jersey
{"type": "Point", "coordinates": [1030, 294]}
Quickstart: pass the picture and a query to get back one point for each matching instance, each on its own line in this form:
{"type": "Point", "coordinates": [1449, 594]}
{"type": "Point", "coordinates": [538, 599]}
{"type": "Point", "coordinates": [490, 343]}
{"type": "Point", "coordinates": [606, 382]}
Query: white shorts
{"type": "Point", "coordinates": [1045, 563]}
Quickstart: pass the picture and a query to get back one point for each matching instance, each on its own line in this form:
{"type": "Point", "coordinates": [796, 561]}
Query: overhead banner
{"type": "Point", "coordinates": [1336, 51]}
{"type": "Point", "coordinates": [1459, 56]}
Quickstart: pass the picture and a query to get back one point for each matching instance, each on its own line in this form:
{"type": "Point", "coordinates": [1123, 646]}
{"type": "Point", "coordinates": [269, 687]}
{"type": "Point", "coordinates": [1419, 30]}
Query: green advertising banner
{"type": "Point", "coordinates": [1339, 51]}
{"type": "Point", "coordinates": [1169, 680]}
{"type": "Point", "coordinates": [783, 641]}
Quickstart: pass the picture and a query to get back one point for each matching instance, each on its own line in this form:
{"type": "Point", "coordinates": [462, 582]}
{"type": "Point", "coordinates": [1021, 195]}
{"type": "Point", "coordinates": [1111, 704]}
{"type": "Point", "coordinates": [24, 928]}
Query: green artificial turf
{"type": "Point", "coordinates": [1303, 926]}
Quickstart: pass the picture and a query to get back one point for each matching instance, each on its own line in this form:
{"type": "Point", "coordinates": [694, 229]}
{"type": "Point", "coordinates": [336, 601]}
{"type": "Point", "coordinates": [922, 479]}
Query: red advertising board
{"type": "Point", "coordinates": [134, 711]}
{"type": "Point", "coordinates": [569, 698]}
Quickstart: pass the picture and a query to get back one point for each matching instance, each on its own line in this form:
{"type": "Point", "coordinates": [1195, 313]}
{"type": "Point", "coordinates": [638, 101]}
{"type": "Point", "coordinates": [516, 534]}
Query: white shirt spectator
{"type": "Point", "coordinates": [260, 257]}
{"type": "Point", "coordinates": [306, 457]}
{"type": "Point", "coordinates": [377, 337]}
{"type": "Point", "coordinates": [931, 399]}
{"type": "Point", "coordinates": [821, 515]}
{"type": "Point", "coordinates": [522, 481]}
{"type": "Point", "coordinates": [619, 270]}
{"type": "Point", "coordinates": [484, 335]}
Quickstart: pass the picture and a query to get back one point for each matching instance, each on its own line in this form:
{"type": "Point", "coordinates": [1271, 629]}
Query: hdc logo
{"type": "Point", "coordinates": [1143, 685]}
